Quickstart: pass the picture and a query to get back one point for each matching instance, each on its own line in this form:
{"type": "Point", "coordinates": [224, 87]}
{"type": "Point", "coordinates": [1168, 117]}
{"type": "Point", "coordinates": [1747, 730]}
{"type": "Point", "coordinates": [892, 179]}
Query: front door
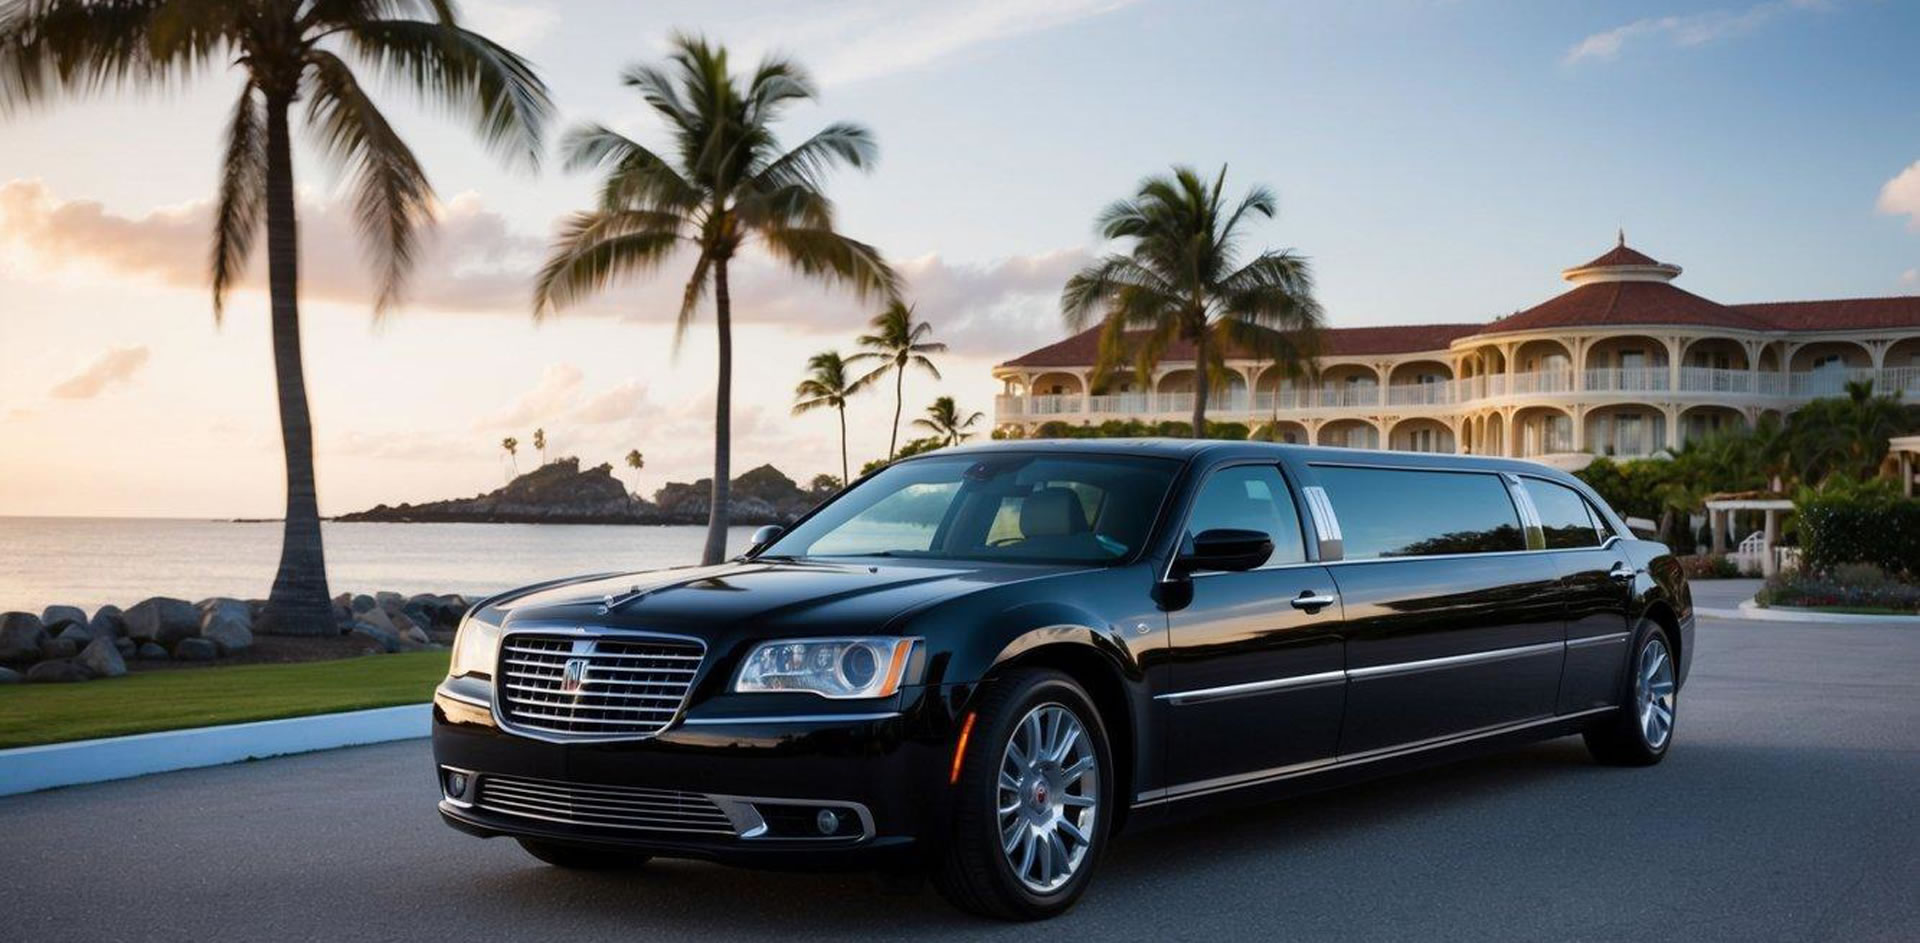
{"type": "Point", "coordinates": [1596, 580]}
{"type": "Point", "coordinates": [1256, 683]}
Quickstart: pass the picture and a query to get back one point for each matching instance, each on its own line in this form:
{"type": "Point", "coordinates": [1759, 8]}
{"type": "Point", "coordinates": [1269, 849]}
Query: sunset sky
{"type": "Point", "coordinates": [1440, 160]}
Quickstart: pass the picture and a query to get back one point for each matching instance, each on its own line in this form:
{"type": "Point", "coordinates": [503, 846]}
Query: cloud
{"type": "Point", "coordinates": [874, 38]}
{"type": "Point", "coordinates": [1685, 31]}
{"type": "Point", "coordinates": [621, 402]}
{"type": "Point", "coordinates": [511, 24]}
{"type": "Point", "coordinates": [116, 366]}
{"type": "Point", "coordinates": [1901, 196]}
{"type": "Point", "coordinates": [549, 397]}
{"type": "Point", "coordinates": [471, 261]}
{"type": "Point", "coordinates": [1910, 278]}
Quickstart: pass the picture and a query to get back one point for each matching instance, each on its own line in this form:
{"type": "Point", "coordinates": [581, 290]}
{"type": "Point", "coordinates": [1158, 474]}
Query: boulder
{"type": "Point", "coordinates": [196, 649]}
{"type": "Point", "coordinates": [20, 636]}
{"type": "Point", "coordinates": [416, 635]}
{"type": "Point", "coordinates": [227, 629]}
{"type": "Point", "coordinates": [75, 631]}
{"type": "Point", "coordinates": [162, 620]}
{"type": "Point", "coordinates": [10, 676]}
{"type": "Point", "coordinates": [401, 621]}
{"type": "Point", "coordinates": [389, 600]}
{"type": "Point", "coordinates": [364, 603]}
{"type": "Point", "coordinates": [102, 658]}
{"type": "Point", "coordinates": [343, 616]}
{"type": "Point", "coordinates": [108, 622]}
{"type": "Point", "coordinates": [59, 648]}
{"type": "Point", "coordinates": [57, 670]}
{"type": "Point", "coordinates": [57, 617]}
{"type": "Point", "coordinates": [127, 646]}
{"type": "Point", "coordinates": [380, 619]}
{"type": "Point", "coordinates": [232, 609]}
{"type": "Point", "coordinates": [151, 651]}
{"type": "Point", "coordinates": [344, 599]}
{"type": "Point", "coordinates": [381, 638]}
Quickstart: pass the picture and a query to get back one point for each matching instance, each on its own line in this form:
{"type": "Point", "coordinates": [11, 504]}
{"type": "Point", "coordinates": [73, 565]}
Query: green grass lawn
{"type": "Point", "coordinates": [169, 700]}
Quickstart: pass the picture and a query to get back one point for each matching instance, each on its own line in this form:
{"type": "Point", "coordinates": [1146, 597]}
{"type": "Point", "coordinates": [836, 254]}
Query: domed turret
{"type": "Point", "coordinates": [1622, 264]}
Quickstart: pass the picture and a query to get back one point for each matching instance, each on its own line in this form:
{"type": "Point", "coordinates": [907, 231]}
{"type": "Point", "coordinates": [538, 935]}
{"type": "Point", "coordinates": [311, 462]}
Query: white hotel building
{"type": "Point", "coordinates": [1623, 363]}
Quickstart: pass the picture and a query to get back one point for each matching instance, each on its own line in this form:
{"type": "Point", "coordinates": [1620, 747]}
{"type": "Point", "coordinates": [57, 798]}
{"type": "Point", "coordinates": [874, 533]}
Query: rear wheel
{"type": "Point", "coordinates": [1639, 733]}
{"type": "Point", "coordinates": [1033, 802]}
{"type": "Point", "coordinates": [582, 858]}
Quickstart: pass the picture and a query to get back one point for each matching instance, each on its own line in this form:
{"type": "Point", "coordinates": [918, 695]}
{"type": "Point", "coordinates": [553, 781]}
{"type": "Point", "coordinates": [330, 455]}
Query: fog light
{"type": "Point", "coordinates": [827, 821]}
{"type": "Point", "coordinates": [456, 784]}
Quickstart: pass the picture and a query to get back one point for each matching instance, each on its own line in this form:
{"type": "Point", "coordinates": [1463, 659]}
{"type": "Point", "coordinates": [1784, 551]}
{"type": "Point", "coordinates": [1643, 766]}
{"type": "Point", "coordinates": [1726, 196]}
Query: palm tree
{"type": "Point", "coordinates": [287, 52]}
{"type": "Point", "coordinates": [898, 342]}
{"type": "Point", "coordinates": [636, 462]}
{"type": "Point", "coordinates": [540, 442]}
{"type": "Point", "coordinates": [512, 445]}
{"type": "Point", "coordinates": [943, 420]}
{"type": "Point", "coordinates": [729, 182]}
{"type": "Point", "coordinates": [827, 385]}
{"type": "Point", "coordinates": [1181, 281]}
{"type": "Point", "coordinates": [1845, 434]}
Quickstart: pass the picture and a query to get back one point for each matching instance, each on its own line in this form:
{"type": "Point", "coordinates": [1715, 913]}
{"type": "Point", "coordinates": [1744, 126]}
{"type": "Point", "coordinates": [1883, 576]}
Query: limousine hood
{"type": "Point", "coordinates": [777, 596]}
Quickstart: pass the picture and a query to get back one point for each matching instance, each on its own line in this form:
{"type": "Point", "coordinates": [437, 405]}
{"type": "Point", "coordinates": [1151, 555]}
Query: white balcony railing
{"type": "Point", "coordinates": [1629, 379]}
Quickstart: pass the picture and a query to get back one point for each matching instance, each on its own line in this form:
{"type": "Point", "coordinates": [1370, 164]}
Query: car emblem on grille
{"type": "Point", "coordinates": [573, 676]}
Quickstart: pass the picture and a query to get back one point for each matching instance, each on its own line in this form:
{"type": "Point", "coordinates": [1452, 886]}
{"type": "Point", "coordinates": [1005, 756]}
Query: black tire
{"type": "Point", "coordinates": [973, 873]}
{"type": "Point", "coordinates": [581, 857]}
{"type": "Point", "coordinates": [1621, 738]}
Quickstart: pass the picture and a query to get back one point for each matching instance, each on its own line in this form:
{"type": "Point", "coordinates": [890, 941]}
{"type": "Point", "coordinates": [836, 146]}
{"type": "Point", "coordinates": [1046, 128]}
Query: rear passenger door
{"type": "Point", "coordinates": [1256, 683]}
{"type": "Point", "coordinates": [1596, 578]}
{"type": "Point", "coordinates": [1452, 626]}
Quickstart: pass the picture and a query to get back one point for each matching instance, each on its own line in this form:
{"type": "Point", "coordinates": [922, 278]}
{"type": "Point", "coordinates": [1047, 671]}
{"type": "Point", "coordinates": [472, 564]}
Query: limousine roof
{"type": "Point", "coordinates": [1208, 449]}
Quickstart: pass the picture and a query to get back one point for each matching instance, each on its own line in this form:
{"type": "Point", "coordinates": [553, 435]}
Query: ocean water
{"type": "Point", "coordinates": [89, 562]}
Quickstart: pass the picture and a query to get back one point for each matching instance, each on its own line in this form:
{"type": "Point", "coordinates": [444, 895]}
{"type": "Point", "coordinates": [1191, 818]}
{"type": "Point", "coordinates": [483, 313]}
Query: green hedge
{"type": "Point", "coordinates": [1882, 531]}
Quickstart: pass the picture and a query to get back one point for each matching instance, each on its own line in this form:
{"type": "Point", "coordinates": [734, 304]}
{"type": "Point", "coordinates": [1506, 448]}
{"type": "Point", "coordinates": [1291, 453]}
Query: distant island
{"type": "Point", "coordinates": [561, 492]}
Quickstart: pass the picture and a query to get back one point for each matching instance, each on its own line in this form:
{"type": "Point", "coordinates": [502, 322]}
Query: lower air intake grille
{"type": "Point", "coordinates": [604, 687]}
{"type": "Point", "coordinates": [658, 810]}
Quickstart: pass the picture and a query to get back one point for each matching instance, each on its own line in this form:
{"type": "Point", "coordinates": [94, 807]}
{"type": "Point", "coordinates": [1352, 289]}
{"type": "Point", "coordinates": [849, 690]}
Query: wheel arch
{"type": "Point", "coordinates": [1103, 677]}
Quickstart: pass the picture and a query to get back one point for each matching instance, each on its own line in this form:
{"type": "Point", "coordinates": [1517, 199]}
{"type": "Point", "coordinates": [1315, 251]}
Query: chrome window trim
{"type": "Point", "coordinates": [1180, 533]}
{"type": "Point", "coordinates": [581, 631]}
{"type": "Point", "coordinates": [1226, 691]}
{"type": "Point", "coordinates": [1326, 524]}
{"type": "Point", "coordinates": [1452, 661]}
{"type": "Point", "coordinates": [1534, 533]}
{"type": "Point", "coordinates": [1191, 790]}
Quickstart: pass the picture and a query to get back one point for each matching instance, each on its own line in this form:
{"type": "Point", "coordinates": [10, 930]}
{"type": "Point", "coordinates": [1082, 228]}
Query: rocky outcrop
{"type": "Point", "coordinates": [561, 492]}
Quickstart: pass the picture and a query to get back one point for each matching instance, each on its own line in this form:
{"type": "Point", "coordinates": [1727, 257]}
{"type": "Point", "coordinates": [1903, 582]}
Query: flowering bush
{"type": "Point", "coordinates": [1709, 566]}
{"type": "Point", "coordinates": [1848, 586]}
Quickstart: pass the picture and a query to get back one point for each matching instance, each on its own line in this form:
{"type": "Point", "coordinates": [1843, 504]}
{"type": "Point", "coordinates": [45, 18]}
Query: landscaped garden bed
{"type": "Point", "coordinates": [1856, 588]}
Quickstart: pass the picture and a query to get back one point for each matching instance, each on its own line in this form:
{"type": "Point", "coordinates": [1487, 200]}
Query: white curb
{"type": "Point", "coordinates": [1752, 612]}
{"type": "Point", "coordinates": [26, 769]}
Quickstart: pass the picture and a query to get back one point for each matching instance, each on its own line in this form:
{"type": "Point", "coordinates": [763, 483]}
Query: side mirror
{"type": "Point", "coordinates": [766, 535]}
{"type": "Point", "coordinates": [1225, 548]}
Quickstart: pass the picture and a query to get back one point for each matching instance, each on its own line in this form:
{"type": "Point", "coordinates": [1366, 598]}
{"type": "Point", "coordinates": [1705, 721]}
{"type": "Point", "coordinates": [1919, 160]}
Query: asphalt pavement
{"type": "Point", "coordinates": [1787, 811]}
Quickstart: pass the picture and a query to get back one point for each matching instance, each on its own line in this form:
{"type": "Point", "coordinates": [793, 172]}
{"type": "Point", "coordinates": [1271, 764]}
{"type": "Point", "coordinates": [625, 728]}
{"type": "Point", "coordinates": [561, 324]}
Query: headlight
{"type": "Point", "coordinates": [474, 648]}
{"type": "Point", "coordinates": [829, 667]}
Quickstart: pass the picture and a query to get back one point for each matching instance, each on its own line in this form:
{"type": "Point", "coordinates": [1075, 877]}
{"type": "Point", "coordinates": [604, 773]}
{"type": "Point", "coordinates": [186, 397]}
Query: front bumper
{"type": "Point", "coordinates": [882, 774]}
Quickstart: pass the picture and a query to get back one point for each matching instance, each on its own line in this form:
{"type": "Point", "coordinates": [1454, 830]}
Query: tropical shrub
{"type": "Point", "coordinates": [1863, 523]}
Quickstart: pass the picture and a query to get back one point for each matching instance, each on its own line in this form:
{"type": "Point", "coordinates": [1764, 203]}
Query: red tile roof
{"type": "Point", "coordinates": [1603, 304]}
{"type": "Point", "coordinates": [1083, 349]}
{"type": "Point", "coordinates": [1619, 255]}
{"type": "Point", "coordinates": [1840, 314]}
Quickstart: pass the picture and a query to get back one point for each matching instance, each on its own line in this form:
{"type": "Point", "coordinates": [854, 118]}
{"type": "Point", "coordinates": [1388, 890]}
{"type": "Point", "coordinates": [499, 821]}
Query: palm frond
{"type": "Point", "coordinates": [243, 195]}
{"type": "Point", "coordinates": [446, 64]}
{"type": "Point", "coordinates": [635, 175]}
{"type": "Point", "coordinates": [807, 163]}
{"type": "Point", "coordinates": [823, 253]}
{"type": "Point", "coordinates": [594, 250]}
{"type": "Point", "coordinates": [76, 47]}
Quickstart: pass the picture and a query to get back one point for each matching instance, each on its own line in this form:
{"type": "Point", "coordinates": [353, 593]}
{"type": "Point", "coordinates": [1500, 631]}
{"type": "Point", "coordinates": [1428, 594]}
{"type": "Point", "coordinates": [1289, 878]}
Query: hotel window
{"type": "Point", "coordinates": [1423, 440]}
{"type": "Point", "coordinates": [1713, 359]}
{"type": "Point", "coordinates": [1633, 359]}
{"type": "Point", "coordinates": [1829, 362]}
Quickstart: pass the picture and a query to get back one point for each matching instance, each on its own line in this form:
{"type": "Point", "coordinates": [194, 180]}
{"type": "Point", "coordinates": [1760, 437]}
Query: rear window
{"type": "Point", "coordinates": [1393, 512]}
{"type": "Point", "coordinates": [1566, 521]}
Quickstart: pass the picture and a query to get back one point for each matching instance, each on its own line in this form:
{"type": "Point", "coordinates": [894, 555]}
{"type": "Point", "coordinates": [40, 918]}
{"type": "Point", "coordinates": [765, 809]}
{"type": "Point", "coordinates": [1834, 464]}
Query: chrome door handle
{"type": "Point", "coordinates": [1312, 602]}
{"type": "Point", "coordinates": [1622, 572]}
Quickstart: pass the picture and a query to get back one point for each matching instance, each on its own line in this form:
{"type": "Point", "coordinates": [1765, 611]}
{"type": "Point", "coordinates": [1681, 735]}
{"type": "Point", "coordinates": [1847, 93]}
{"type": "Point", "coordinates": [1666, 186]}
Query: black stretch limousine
{"type": "Point", "coordinates": [983, 661]}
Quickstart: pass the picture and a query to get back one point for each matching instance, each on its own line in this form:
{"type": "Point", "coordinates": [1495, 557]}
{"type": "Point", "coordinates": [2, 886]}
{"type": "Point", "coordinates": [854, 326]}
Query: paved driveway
{"type": "Point", "coordinates": [1787, 812]}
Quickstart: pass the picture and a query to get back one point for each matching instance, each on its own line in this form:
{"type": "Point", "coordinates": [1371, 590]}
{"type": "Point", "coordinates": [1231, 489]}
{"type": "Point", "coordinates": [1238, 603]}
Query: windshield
{"type": "Point", "coordinates": [1019, 508]}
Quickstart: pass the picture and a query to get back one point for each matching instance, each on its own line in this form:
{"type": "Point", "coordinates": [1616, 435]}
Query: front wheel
{"type": "Point", "coordinates": [582, 858]}
{"type": "Point", "coordinates": [1034, 800]}
{"type": "Point", "coordinates": [1639, 733]}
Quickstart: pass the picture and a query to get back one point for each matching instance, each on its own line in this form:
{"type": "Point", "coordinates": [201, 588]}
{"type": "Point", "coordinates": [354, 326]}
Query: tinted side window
{"type": "Point", "coordinates": [1250, 497]}
{"type": "Point", "coordinates": [1391, 512]}
{"type": "Point", "coordinates": [1565, 518]}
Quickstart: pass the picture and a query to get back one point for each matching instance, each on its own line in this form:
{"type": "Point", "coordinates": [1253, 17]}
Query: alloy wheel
{"type": "Point", "coordinates": [1048, 797]}
{"type": "Point", "coordinates": [1653, 693]}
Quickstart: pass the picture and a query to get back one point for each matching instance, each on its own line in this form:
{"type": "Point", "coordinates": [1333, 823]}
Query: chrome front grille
{"type": "Point", "coordinates": [594, 687]}
{"type": "Point", "coordinates": [657, 810]}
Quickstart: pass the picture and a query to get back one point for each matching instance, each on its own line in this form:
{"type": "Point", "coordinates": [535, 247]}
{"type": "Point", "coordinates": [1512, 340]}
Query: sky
{"type": "Point", "coordinates": [1438, 160]}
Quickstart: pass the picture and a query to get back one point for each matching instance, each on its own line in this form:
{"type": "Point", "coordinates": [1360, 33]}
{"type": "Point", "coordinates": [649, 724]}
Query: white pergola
{"type": "Point", "coordinates": [1906, 449]}
{"type": "Point", "coordinates": [1719, 517]}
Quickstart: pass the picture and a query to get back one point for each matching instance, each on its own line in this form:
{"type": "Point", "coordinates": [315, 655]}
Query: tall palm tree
{"type": "Point", "coordinates": [1845, 434]}
{"type": "Point", "coordinates": [512, 445]}
{"type": "Point", "coordinates": [898, 342]}
{"type": "Point", "coordinates": [827, 385]}
{"type": "Point", "coordinates": [1181, 280]}
{"type": "Point", "coordinates": [944, 421]}
{"type": "Point", "coordinates": [286, 52]}
{"type": "Point", "coordinates": [540, 442]}
{"type": "Point", "coordinates": [728, 182]}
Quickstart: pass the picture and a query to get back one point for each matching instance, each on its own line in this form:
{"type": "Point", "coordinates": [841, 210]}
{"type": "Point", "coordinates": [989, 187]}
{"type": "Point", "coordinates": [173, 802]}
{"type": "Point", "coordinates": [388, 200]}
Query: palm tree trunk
{"type": "Point", "coordinates": [716, 549]}
{"type": "Point", "coordinates": [845, 478]}
{"type": "Point", "coordinates": [1201, 382]}
{"type": "Point", "coordinates": [899, 400]}
{"type": "Point", "coordinates": [298, 604]}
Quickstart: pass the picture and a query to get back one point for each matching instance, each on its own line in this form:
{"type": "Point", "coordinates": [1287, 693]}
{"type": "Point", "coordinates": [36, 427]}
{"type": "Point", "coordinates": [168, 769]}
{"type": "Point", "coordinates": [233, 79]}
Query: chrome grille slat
{"type": "Point", "coordinates": [629, 686]}
{"type": "Point", "coordinates": [597, 806]}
